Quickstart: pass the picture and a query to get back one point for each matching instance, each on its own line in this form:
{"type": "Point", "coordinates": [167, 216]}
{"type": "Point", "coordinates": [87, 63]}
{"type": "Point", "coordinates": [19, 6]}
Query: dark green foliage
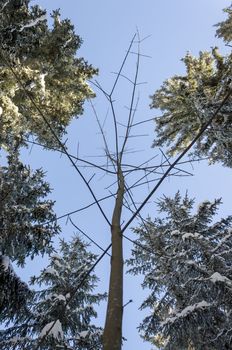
{"type": "Point", "coordinates": [57, 303]}
{"type": "Point", "coordinates": [27, 220]}
{"type": "Point", "coordinates": [189, 276]}
{"type": "Point", "coordinates": [14, 293]}
{"type": "Point", "coordinates": [38, 66]}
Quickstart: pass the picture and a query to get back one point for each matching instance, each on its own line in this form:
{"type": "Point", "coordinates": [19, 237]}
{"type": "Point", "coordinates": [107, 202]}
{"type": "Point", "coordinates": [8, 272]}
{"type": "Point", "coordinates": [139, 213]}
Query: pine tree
{"type": "Point", "coordinates": [56, 304]}
{"type": "Point", "coordinates": [189, 274]}
{"type": "Point", "coordinates": [189, 101]}
{"type": "Point", "coordinates": [46, 67]}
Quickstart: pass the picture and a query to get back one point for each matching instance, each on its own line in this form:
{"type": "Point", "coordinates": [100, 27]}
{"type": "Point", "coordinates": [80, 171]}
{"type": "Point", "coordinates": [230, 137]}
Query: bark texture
{"type": "Point", "coordinates": [112, 336]}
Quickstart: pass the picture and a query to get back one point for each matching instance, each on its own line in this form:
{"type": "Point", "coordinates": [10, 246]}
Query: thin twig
{"type": "Point", "coordinates": [45, 120]}
{"type": "Point", "coordinates": [87, 236]}
{"type": "Point", "coordinates": [200, 133]}
{"type": "Point", "coordinates": [72, 156]}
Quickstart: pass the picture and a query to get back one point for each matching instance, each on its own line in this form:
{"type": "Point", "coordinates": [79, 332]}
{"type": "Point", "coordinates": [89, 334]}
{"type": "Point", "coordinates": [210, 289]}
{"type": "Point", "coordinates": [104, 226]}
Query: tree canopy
{"type": "Point", "coordinates": [54, 310]}
{"type": "Point", "coordinates": [45, 68]}
{"type": "Point", "coordinates": [186, 258]}
{"type": "Point", "coordinates": [184, 254]}
{"type": "Point", "coordinates": [224, 30]}
{"type": "Point", "coordinates": [27, 219]}
{"type": "Point", "coordinates": [186, 262]}
{"type": "Point", "coordinates": [38, 66]}
{"type": "Point", "coordinates": [189, 101]}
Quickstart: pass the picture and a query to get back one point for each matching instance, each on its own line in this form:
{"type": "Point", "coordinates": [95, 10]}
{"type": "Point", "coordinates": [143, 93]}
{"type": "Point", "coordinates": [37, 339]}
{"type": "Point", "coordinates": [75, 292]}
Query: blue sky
{"type": "Point", "coordinates": [173, 27]}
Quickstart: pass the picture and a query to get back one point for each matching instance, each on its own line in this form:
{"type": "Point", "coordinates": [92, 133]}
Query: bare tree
{"type": "Point", "coordinates": [127, 178]}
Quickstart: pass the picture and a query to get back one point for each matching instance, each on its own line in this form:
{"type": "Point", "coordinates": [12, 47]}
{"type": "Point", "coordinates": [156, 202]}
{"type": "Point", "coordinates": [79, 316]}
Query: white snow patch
{"type": "Point", "coordinates": [190, 235]}
{"type": "Point", "coordinates": [51, 271]}
{"type": "Point", "coordinates": [217, 277]}
{"type": "Point", "coordinates": [42, 82]}
{"type": "Point", "coordinates": [60, 297]}
{"type": "Point", "coordinates": [54, 329]}
{"type": "Point", "coordinates": [57, 263]}
{"type": "Point", "coordinates": [56, 256]}
{"type": "Point", "coordinates": [5, 262]}
{"type": "Point", "coordinates": [67, 42]}
{"type": "Point", "coordinates": [186, 311]}
{"type": "Point", "coordinates": [34, 22]}
{"type": "Point", "coordinates": [83, 334]}
{"type": "Point", "coordinates": [190, 262]}
{"type": "Point", "coordinates": [175, 233]}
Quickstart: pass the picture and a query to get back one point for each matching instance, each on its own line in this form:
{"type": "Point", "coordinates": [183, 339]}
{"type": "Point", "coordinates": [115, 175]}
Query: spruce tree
{"type": "Point", "coordinates": [38, 66]}
{"type": "Point", "coordinates": [45, 68]}
{"type": "Point", "coordinates": [27, 225]}
{"type": "Point", "coordinates": [27, 220]}
{"type": "Point", "coordinates": [187, 264]}
{"type": "Point", "coordinates": [14, 293]}
{"type": "Point", "coordinates": [59, 318]}
{"type": "Point", "coordinates": [189, 101]}
{"type": "Point", "coordinates": [224, 30]}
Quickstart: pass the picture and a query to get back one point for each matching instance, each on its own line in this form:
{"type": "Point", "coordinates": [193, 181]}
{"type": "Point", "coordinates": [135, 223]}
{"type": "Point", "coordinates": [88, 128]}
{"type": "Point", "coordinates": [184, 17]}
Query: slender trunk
{"type": "Point", "coordinates": [112, 335]}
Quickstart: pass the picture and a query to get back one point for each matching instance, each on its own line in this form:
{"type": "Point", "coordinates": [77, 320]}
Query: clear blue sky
{"type": "Point", "coordinates": [174, 27]}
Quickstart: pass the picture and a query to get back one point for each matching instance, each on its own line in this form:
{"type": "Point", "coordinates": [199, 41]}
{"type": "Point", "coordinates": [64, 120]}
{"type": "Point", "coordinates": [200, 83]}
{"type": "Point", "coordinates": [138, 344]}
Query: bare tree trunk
{"type": "Point", "coordinates": [112, 336]}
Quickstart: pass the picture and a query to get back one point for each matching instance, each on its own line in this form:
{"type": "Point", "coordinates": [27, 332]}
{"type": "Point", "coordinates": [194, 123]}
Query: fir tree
{"type": "Point", "coordinates": [189, 274]}
{"type": "Point", "coordinates": [45, 64]}
{"type": "Point", "coordinates": [56, 304]}
{"type": "Point", "coordinates": [189, 101]}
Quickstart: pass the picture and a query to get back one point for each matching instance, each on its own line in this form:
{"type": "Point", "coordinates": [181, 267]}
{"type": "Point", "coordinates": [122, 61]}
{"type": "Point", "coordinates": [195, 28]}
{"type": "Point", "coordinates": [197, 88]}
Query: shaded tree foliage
{"type": "Point", "coordinates": [27, 220]}
{"type": "Point", "coordinates": [56, 304]}
{"type": "Point", "coordinates": [27, 225]}
{"type": "Point", "coordinates": [14, 293]}
{"type": "Point", "coordinates": [189, 275]}
{"type": "Point", "coordinates": [38, 66]}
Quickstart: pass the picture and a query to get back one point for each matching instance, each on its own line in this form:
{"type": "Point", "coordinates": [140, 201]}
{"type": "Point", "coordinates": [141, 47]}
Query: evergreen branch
{"type": "Point", "coordinates": [80, 284]}
{"type": "Point", "coordinates": [17, 78]}
{"type": "Point", "coordinates": [196, 138]}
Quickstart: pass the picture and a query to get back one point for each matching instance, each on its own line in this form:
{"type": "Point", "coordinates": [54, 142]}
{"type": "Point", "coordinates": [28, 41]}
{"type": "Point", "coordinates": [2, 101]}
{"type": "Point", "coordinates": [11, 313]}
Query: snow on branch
{"type": "Point", "coordinates": [53, 329]}
{"type": "Point", "coordinates": [34, 22]}
{"type": "Point", "coordinates": [185, 312]}
{"type": "Point", "coordinates": [217, 277]}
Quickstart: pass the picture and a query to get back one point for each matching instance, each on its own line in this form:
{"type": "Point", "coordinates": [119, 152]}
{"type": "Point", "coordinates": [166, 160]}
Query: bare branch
{"type": "Point", "coordinates": [87, 236]}
{"type": "Point", "coordinates": [200, 133]}
{"type": "Point", "coordinates": [122, 65]}
{"type": "Point", "coordinates": [45, 120]}
{"type": "Point", "coordinates": [80, 209]}
{"type": "Point", "coordinates": [74, 157]}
